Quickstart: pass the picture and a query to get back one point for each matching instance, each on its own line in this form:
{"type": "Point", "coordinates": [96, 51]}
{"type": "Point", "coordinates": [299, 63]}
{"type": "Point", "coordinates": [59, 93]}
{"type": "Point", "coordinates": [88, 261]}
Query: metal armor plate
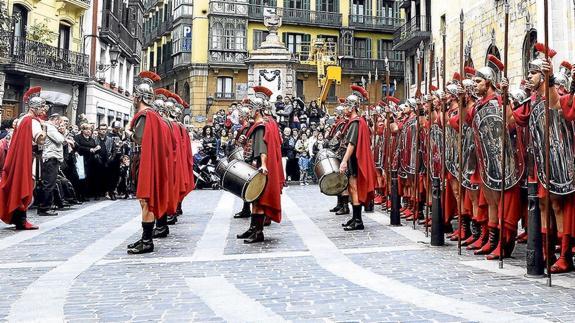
{"type": "Point", "coordinates": [487, 127]}
{"type": "Point", "coordinates": [408, 145]}
{"type": "Point", "coordinates": [561, 162]}
{"type": "Point", "coordinates": [436, 151]}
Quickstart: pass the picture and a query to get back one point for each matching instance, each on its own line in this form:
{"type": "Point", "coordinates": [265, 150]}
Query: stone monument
{"type": "Point", "coordinates": [272, 65]}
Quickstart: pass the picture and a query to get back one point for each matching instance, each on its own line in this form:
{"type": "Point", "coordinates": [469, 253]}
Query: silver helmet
{"type": "Point", "coordinates": [143, 86]}
{"type": "Point", "coordinates": [412, 103]}
{"type": "Point", "coordinates": [352, 101]}
{"type": "Point", "coordinates": [469, 87]}
{"type": "Point", "coordinates": [33, 100]}
{"type": "Point", "coordinates": [491, 71]}
{"type": "Point", "coordinates": [339, 110]}
{"type": "Point", "coordinates": [563, 77]}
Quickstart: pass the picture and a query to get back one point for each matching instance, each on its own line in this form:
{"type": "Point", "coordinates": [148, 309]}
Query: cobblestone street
{"type": "Point", "coordinates": [75, 268]}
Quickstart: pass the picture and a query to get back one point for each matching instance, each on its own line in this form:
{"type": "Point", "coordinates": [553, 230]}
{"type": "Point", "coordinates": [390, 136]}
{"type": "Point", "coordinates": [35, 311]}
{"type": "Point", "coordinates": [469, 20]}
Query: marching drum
{"type": "Point", "coordinates": [221, 168]}
{"type": "Point", "coordinates": [237, 153]}
{"type": "Point", "coordinates": [242, 180]}
{"type": "Point", "coordinates": [326, 169]}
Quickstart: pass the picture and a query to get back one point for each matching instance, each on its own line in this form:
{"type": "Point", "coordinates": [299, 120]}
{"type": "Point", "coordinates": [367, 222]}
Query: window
{"type": "Point", "coordinates": [121, 75]}
{"type": "Point", "coordinates": [21, 21]}
{"type": "Point", "coordinates": [362, 48]}
{"type": "Point", "coordinates": [224, 88]}
{"type": "Point", "coordinates": [492, 50]}
{"type": "Point", "coordinates": [347, 44]}
{"type": "Point", "coordinates": [64, 37]}
{"type": "Point", "coordinates": [151, 60]}
{"type": "Point", "coordinates": [359, 7]}
{"type": "Point", "coordinates": [271, 3]}
{"type": "Point", "coordinates": [328, 5]}
{"type": "Point", "coordinates": [259, 37]}
{"type": "Point", "coordinates": [299, 89]}
{"type": "Point", "coordinates": [294, 41]}
{"type": "Point", "coordinates": [296, 4]}
{"type": "Point", "coordinates": [387, 8]}
{"type": "Point", "coordinates": [228, 34]}
{"type": "Point", "coordinates": [385, 49]}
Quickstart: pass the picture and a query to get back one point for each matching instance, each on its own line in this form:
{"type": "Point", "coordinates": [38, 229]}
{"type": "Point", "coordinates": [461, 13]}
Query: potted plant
{"type": "Point", "coordinates": [113, 85]}
{"type": "Point", "coordinates": [120, 90]}
{"type": "Point", "coordinates": [126, 93]}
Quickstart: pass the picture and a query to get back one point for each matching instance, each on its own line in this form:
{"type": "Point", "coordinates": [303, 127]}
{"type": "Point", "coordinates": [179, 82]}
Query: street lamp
{"type": "Point", "coordinates": [114, 55]}
{"type": "Point", "coordinates": [209, 103]}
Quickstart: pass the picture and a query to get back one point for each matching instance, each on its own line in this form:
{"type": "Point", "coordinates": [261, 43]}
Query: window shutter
{"type": "Point", "coordinates": [368, 47]}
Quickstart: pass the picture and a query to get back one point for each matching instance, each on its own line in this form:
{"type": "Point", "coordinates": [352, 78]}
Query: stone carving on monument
{"type": "Point", "coordinates": [271, 65]}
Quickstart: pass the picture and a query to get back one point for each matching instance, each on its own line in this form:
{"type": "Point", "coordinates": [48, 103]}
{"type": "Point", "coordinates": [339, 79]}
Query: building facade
{"type": "Point", "coordinates": [483, 33]}
{"type": "Point", "coordinates": [200, 47]}
{"type": "Point", "coordinates": [41, 45]}
{"type": "Point", "coordinates": [113, 31]}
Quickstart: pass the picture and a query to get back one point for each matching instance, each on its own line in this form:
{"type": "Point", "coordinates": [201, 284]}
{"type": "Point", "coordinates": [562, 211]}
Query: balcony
{"type": "Point", "coordinates": [298, 16]}
{"type": "Point", "coordinates": [228, 8]}
{"type": "Point", "coordinates": [110, 30]}
{"type": "Point", "coordinates": [165, 68]}
{"type": "Point", "coordinates": [381, 24]}
{"type": "Point", "coordinates": [410, 34]}
{"type": "Point", "coordinates": [225, 58]}
{"type": "Point", "coordinates": [80, 4]}
{"type": "Point", "coordinates": [158, 31]}
{"type": "Point", "coordinates": [225, 96]}
{"type": "Point", "coordinates": [365, 65]}
{"type": "Point", "coordinates": [31, 57]}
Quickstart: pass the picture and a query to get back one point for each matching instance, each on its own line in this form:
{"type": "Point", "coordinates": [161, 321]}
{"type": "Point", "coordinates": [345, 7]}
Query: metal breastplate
{"type": "Point", "coordinates": [561, 156]}
{"type": "Point", "coordinates": [487, 125]}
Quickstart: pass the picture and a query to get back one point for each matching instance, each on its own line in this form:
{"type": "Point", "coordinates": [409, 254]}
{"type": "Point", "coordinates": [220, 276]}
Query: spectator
{"type": "Point", "coordinates": [115, 158]}
{"type": "Point", "coordinates": [123, 182]}
{"type": "Point", "coordinates": [4, 145]}
{"type": "Point", "coordinates": [303, 162]}
{"type": "Point", "coordinates": [102, 161]}
{"type": "Point", "coordinates": [315, 113]}
{"type": "Point", "coordinates": [87, 149]}
{"type": "Point", "coordinates": [5, 127]}
{"type": "Point", "coordinates": [209, 143]}
{"type": "Point", "coordinates": [223, 142]}
{"type": "Point", "coordinates": [287, 150]}
{"type": "Point", "coordinates": [319, 144]}
{"type": "Point", "coordinates": [302, 145]}
{"type": "Point", "coordinates": [283, 111]}
{"type": "Point", "coordinates": [52, 156]}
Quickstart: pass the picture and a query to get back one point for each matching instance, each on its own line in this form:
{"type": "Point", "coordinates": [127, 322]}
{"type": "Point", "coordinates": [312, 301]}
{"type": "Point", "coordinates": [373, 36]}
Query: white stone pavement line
{"type": "Point", "coordinates": [30, 264]}
{"type": "Point", "coordinates": [406, 230]}
{"type": "Point", "coordinates": [50, 225]}
{"type": "Point", "coordinates": [331, 259]}
{"type": "Point", "coordinates": [516, 271]}
{"type": "Point", "coordinates": [249, 256]}
{"type": "Point", "coordinates": [228, 302]}
{"type": "Point", "coordinates": [213, 240]}
{"type": "Point", "coordinates": [44, 299]}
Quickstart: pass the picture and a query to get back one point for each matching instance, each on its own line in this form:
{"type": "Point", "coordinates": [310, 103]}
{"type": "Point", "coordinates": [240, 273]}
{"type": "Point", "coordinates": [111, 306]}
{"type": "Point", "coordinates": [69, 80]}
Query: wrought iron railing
{"type": "Point", "coordinates": [227, 57]}
{"type": "Point", "coordinates": [365, 65]}
{"type": "Point", "coordinates": [298, 16]}
{"type": "Point", "coordinates": [165, 67]}
{"type": "Point", "coordinates": [110, 25]}
{"type": "Point", "coordinates": [411, 28]}
{"type": "Point", "coordinates": [225, 95]}
{"type": "Point", "coordinates": [42, 57]}
{"type": "Point", "coordinates": [374, 22]}
{"type": "Point", "coordinates": [228, 8]}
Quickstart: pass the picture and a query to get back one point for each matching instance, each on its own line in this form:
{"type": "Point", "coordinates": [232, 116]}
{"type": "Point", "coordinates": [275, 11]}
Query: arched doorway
{"type": "Point", "coordinates": [529, 52]}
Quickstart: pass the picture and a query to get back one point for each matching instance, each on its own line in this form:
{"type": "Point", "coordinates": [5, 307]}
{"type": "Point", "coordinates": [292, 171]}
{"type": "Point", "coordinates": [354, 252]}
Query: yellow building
{"type": "Point", "coordinates": [41, 46]}
{"type": "Point", "coordinates": [199, 47]}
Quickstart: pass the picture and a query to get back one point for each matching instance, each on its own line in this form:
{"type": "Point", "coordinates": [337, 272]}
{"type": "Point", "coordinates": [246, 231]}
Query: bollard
{"type": "Point", "coordinates": [395, 219]}
{"type": "Point", "coordinates": [437, 232]}
{"type": "Point", "coordinates": [534, 252]}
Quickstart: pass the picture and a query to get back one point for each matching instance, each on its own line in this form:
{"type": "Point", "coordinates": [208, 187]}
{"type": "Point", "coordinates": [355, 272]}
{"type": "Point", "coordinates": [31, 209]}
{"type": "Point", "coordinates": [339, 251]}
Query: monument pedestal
{"type": "Point", "coordinates": [272, 65]}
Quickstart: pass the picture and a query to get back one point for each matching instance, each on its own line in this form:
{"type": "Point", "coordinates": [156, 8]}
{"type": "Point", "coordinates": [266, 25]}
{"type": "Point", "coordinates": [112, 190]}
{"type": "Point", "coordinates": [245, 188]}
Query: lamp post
{"type": "Point", "coordinates": [209, 103]}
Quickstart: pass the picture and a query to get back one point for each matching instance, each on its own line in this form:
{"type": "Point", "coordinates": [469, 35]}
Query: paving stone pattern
{"type": "Point", "coordinates": [282, 274]}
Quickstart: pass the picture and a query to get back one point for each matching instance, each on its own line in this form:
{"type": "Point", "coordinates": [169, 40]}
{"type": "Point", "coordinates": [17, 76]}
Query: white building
{"type": "Point", "coordinates": [112, 41]}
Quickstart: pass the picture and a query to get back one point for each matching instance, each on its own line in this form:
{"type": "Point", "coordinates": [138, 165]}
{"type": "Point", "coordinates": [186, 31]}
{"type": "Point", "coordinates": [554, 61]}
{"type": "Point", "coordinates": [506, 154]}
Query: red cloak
{"type": "Point", "coordinates": [366, 173]}
{"type": "Point", "coordinates": [188, 160]}
{"type": "Point", "coordinates": [180, 174]}
{"type": "Point", "coordinates": [270, 200]}
{"type": "Point", "coordinates": [155, 162]}
{"type": "Point", "coordinates": [17, 183]}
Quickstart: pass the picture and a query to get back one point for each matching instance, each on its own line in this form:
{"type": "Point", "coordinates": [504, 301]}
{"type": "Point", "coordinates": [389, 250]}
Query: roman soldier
{"type": "Point", "coordinates": [391, 131]}
{"type": "Point", "coordinates": [17, 182]}
{"type": "Point", "coordinates": [151, 160]}
{"type": "Point", "coordinates": [486, 117]}
{"type": "Point", "coordinates": [357, 161]}
{"type": "Point", "coordinates": [560, 187]}
{"type": "Point", "coordinates": [265, 153]}
{"type": "Point", "coordinates": [241, 141]}
{"type": "Point", "coordinates": [334, 139]}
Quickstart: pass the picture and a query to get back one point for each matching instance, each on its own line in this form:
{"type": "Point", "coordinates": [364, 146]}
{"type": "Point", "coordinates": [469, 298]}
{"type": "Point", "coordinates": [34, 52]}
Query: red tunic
{"type": "Point", "coordinates": [366, 173]}
{"type": "Point", "coordinates": [154, 178]}
{"type": "Point", "coordinates": [17, 183]}
{"type": "Point", "coordinates": [270, 200]}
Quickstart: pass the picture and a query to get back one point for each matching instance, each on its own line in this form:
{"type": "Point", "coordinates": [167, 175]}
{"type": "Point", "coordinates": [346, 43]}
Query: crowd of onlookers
{"type": "Point", "coordinates": [76, 164]}
{"type": "Point", "coordinates": [304, 128]}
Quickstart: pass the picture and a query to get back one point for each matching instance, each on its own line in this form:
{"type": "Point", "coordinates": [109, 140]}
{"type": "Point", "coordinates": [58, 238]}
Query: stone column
{"type": "Point", "coordinates": [73, 106]}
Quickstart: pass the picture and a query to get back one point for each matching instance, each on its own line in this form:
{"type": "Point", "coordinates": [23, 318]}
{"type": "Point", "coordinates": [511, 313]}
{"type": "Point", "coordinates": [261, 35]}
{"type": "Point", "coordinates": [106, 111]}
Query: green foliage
{"type": "Point", "coordinates": [5, 21]}
{"type": "Point", "coordinates": [40, 32]}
